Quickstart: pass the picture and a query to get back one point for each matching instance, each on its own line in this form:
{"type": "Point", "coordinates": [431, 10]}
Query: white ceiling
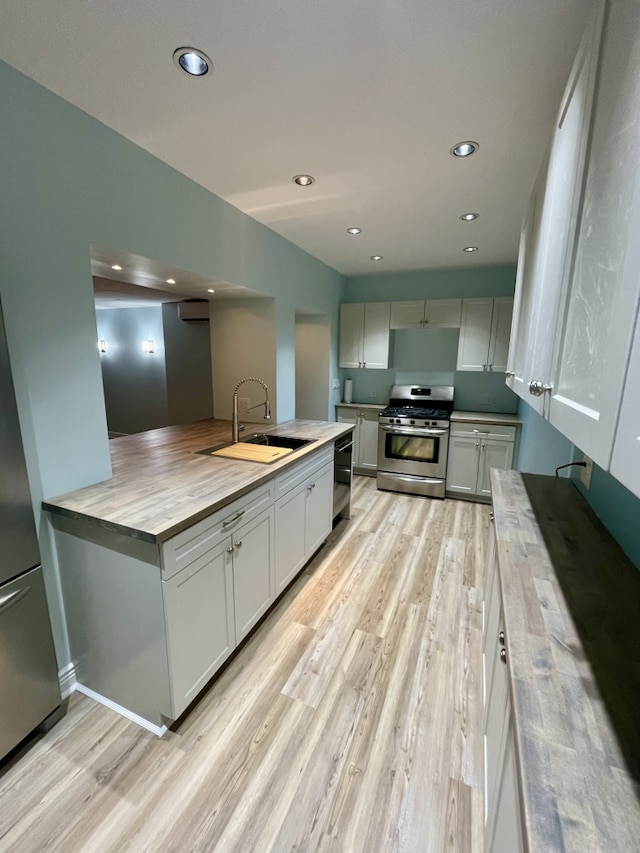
{"type": "Point", "coordinates": [366, 95]}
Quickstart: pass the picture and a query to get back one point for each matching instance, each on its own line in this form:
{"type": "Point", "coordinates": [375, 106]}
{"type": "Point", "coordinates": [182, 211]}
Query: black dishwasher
{"type": "Point", "coordinates": [342, 476]}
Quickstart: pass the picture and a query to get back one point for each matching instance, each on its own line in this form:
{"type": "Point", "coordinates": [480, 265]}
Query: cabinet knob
{"type": "Point", "coordinates": [536, 388]}
{"type": "Point", "coordinates": [491, 516]}
{"type": "Point", "coordinates": [501, 638]}
{"type": "Point", "coordinates": [238, 544]}
{"type": "Point", "coordinates": [509, 373]}
{"type": "Point", "coordinates": [503, 655]}
{"type": "Point", "coordinates": [230, 550]}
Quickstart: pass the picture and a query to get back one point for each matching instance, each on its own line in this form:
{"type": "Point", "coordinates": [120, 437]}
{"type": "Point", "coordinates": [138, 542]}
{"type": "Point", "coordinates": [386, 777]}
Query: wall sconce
{"type": "Point", "coordinates": [148, 346]}
{"type": "Point", "coordinates": [102, 346]}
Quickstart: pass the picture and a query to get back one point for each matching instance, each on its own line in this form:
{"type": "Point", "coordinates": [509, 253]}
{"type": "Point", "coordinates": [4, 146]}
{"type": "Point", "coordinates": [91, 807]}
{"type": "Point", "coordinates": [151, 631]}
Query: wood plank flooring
{"type": "Point", "coordinates": [350, 722]}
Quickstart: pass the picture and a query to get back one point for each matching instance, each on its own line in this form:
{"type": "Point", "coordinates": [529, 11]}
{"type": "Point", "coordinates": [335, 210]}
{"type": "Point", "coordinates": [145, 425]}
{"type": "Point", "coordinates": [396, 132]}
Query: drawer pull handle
{"type": "Point", "coordinates": [234, 519]}
{"type": "Point", "coordinates": [503, 655]}
{"type": "Point", "coordinates": [501, 638]}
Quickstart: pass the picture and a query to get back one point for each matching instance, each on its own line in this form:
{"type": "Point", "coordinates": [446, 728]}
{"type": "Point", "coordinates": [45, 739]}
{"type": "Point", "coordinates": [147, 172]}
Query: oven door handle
{"type": "Point", "coordinates": [417, 432]}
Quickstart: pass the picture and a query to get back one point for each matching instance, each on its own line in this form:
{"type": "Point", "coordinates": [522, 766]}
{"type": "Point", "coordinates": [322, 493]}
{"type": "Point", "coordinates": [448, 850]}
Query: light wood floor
{"type": "Point", "coordinates": [349, 722]}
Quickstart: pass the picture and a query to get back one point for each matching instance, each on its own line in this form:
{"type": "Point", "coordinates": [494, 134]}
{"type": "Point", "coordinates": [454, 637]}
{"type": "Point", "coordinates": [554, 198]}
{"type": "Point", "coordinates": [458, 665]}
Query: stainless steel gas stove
{"type": "Point", "coordinates": [413, 440]}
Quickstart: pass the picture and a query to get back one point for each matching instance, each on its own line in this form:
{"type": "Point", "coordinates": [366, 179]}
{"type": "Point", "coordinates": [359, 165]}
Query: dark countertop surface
{"type": "Point", "coordinates": [571, 603]}
{"type": "Point", "coordinates": [160, 484]}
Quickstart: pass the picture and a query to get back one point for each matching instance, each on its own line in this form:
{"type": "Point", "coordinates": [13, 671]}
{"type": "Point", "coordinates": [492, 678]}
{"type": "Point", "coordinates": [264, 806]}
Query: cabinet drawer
{"type": "Point", "coordinates": [494, 431]}
{"type": "Point", "coordinates": [181, 550]}
{"type": "Point", "coordinates": [297, 474]}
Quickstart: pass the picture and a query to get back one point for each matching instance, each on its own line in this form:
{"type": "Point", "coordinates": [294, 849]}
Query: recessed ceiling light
{"type": "Point", "coordinates": [470, 249]}
{"type": "Point", "coordinates": [171, 281]}
{"type": "Point", "coordinates": [303, 180]}
{"type": "Point", "coordinates": [116, 267]}
{"type": "Point", "coordinates": [193, 62]}
{"type": "Point", "coordinates": [464, 149]}
{"type": "Point", "coordinates": [376, 257]}
{"type": "Point", "coordinates": [210, 290]}
{"type": "Point", "coordinates": [354, 230]}
{"type": "Point", "coordinates": [469, 217]}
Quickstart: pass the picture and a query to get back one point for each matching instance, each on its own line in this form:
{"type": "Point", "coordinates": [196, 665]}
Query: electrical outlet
{"type": "Point", "coordinates": [585, 473]}
{"type": "Point", "coordinates": [371, 393]}
{"type": "Point", "coordinates": [243, 404]}
{"type": "Point", "coordinates": [486, 400]}
{"type": "Point", "coordinates": [335, 384]}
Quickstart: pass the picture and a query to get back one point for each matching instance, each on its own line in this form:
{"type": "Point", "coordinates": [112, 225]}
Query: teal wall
{"type": "Point", "coordinates": [67, 181]}
{"type": "Point", "coordinates": [543, 448]}
{"type": "Point", "coordinates": [429, 356]}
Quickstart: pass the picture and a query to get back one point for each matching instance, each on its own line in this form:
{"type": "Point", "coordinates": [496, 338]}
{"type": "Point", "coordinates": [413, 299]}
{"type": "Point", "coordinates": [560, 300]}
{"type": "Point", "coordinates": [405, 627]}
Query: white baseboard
{"type": "Point", "coordinates": [67, 679]}
{"type": "Point", "coordinates": [124, 712]}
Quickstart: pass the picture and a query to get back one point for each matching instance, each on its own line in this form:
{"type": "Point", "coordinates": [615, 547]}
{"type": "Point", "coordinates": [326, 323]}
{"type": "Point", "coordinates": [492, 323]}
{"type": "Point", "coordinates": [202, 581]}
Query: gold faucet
{"type": "Point", "coordinates": [235, 427]}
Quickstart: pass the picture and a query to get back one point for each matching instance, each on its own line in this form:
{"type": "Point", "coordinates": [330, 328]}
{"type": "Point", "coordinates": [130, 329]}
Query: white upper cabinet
{"type": "Point", "coordinates": [364, 334]}
{"type": "Point", "coordinates": [549, 231]}
{"type": "Point", "coordinates": [625, 464]}
{"type": "Point", "coordinates": [484, 334]}
{"type": "Point", "coordinates": [429, 313]}
{"type": "Point", "coordinates": [593, 346]}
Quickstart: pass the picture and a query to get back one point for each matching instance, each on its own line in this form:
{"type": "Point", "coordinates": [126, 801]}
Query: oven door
{"type": "Point", "coordinates": [415, 451]}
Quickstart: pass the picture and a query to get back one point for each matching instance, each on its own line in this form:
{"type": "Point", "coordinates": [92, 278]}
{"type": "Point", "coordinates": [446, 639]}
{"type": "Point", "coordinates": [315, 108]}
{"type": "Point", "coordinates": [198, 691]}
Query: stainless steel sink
{"type": "Point", "coordinates": [276, 440]}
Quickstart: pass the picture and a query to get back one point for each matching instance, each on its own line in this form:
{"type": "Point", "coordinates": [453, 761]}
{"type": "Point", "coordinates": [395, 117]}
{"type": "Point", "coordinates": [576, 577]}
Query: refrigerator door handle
{"type": "Point", "coordinates": [8, 601]}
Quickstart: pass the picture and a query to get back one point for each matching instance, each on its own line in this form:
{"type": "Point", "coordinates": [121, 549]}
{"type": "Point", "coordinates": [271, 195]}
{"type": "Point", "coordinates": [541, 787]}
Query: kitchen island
{"type": "Point", "coordinates": [167, 567]}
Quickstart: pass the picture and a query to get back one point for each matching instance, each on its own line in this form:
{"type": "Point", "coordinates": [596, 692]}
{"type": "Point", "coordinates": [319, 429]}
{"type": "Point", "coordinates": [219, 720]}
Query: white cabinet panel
{"type": "Point", "coordinates": [252, 548]}
{"type": "Point", "coordinates": [364, 335]}
{"type": "Point", "coordinates": [594, 342]}
{"type": "Point", "coordinates": [484, 334]}
{"type": "Point", "coordinates": [625, 465]}
{"type": "Point", "coordinates": [199, 624]}
{"type": "Point", "coordinates": [365, 436]}
{"type": "Point", "coordinates": [548, 234]}
{"type": "Point", "coordinates": [407, 315]}
{"type": "Point", "coordinates": [428, 313]}
{"type": "Point", "coordinates": [475, 448]}
{"type": "Point", "coordinates": [303, 521]}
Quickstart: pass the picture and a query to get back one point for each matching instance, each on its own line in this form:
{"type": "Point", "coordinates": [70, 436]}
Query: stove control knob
{"type": "Point", "coordinates": [412, 421]}
{"type": "Point", "coordinates": [397, 420]}
{"type": "Point", "coordinates": [434, 423]}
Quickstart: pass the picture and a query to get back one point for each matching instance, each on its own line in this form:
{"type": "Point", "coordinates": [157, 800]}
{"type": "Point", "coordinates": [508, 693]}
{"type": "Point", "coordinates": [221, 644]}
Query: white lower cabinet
{"type": "Point", "coordinates": [302, 516]}
{"type": "Point", "coordinates": [200, 625]}
{"type": "Point", "coordinates": [502, 819]}
{"type": "Point", "coordinates": [365, 436]}
{"type": "Point", "coordinates": [475, 448]}
{"type": "Point", "coordinates": [252, 553]}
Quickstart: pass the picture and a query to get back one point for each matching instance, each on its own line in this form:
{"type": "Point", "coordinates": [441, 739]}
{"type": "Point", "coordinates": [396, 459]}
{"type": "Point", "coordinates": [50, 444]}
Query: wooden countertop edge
{"type": "Point", "coordinates": [565, 793]}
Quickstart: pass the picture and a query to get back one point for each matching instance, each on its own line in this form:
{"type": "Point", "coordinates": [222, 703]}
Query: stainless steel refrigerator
{"type": "Point", "coordinates": [29, 687]}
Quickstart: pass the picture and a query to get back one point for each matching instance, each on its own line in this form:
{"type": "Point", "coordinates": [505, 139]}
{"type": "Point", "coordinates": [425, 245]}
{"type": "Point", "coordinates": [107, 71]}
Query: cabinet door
{"type": "Point", "coordinates": [253, 569]}
{"type": "Point", "coordinates": [500, 331]}
{"type": "Point", "coordinates": [290, 550]}
{"type": "Point", "coordinates": [198, 603]}
{"type": "Point", "coordinates": [544, 263]}
{"type": "Point", "coordinates": [375, 347]}
{"type": "Point", "coordinates": [494, 453]}
{"type": "Point", "coordinates": [625, 465]}
{"type": "Point", "coordinates": [507, 826]}
{"type": "Point", "coordinates": [319, 505]}
{"type": "Point", "coordinates": [407, 315]}
{"type": "Point", "coordinates": [462, 465]}
{"type": "Point", "coordinates": [351, 332]}
{"type": "Point", "coordinates": [368, 440]}
{"type": "Point", "coordinates": [602, 296]}
{"type": "Point", "coordinates": [495, 732]}
{"type": "Point", "coordinates": [443, 313]}
{"type": "Point", "coordinates": [475, 334]}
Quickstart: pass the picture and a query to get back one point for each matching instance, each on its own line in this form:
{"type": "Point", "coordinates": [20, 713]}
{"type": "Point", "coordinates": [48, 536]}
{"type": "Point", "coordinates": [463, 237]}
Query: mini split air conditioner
{"type": "Point", "coordinates": [194, 312]}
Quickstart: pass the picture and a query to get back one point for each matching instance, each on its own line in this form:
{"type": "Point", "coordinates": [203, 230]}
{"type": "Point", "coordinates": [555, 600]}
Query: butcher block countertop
{"type": "Point", "coordinates": [572, 623]}
{"type": "Point", "coordinates": [161, 485]}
